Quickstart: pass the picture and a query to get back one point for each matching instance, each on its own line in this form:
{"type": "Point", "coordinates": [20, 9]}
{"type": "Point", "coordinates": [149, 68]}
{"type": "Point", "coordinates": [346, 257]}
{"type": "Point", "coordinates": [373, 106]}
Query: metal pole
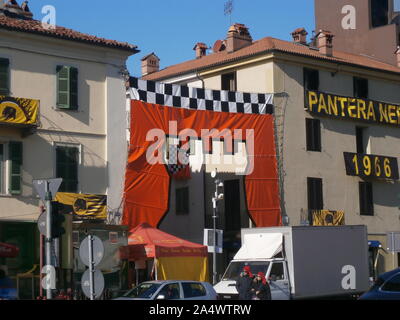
{"type": "Point", "coordinates": [48, 198]}
{"type": "Point", "coordinates": [91, 269]}
{"type": "Point", "coordinates": [215, 235]}
{"type": "Point", "coordinates": [41, 267]}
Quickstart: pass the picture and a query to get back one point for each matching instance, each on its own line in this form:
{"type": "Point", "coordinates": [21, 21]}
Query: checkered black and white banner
{"type": "Point", "coordinates": [180, 96]}
{"type": "Point", "coordinates": [174, 164]}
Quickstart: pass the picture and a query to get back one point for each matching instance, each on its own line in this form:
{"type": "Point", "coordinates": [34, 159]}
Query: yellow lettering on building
{"type": "Point", "coordinates": [371, 111]}
{"type": "Point", "coordinates": [398, 115]}
{"type": "Point", "coordinates": [383, 112]}
{"type": "Point", "coordinates": [342, 101]}
{"type": "Point", "coordinates": [312, 99]}
{"type": "Point", "coordinates": [322, 104]}
{"type": "Point", "coordinates": [351, 107]}
{"type": "Point", "coordinates": [392, 114]}
{"type": "Point", "coordinates": [361, 107]}
{"type": "Point", "coordinates": [332, 104]}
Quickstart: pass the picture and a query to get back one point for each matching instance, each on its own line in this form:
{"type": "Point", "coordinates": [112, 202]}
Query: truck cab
{"type": "Point", "coordinates": [275, 270]}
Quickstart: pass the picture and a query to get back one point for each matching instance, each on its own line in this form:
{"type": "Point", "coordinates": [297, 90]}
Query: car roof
{"type": "Point", "coordinates": [171, 281]}
{"type": "Point", "coordinates": [389, 274]}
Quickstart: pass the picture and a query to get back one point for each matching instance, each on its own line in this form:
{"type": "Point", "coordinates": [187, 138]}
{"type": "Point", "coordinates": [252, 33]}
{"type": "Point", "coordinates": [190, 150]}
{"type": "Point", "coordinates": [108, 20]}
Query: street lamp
{"type": "Point", "coordinates": [218, 196]}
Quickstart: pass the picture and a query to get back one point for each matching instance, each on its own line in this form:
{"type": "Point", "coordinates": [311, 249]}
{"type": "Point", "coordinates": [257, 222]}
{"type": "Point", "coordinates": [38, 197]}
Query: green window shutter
{"type": "Point", "coordinates": [15, 157]}
{"type": "Point", "coordinates": [4, 77]}
{"type": "Point", "coordinates": [67, 160]}
{"type": "Point", "coordinates": [73, 72]}
{"type": "Point", "coordinates": [67, 87]}
{"type": "Point", "coordinates": [63, 87]}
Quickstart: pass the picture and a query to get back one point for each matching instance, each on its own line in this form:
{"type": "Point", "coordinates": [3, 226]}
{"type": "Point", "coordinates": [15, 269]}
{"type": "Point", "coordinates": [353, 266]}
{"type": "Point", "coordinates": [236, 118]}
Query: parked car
{"type": "Point", "coordinates": [386, 287]}
{"type": "Point", "coordinates": [171, 290]}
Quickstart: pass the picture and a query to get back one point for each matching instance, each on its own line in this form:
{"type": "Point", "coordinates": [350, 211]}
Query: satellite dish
{"type": "Point", "coordinates": [213, 173]}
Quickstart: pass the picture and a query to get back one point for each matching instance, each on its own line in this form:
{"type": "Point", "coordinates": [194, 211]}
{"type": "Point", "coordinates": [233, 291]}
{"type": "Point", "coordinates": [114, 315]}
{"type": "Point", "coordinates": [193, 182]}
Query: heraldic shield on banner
{"type": "Point", "coordinates": [171, 126]}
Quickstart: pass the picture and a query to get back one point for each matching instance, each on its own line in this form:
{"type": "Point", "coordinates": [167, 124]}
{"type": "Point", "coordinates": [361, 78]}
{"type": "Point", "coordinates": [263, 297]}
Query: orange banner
{"type": "Point", "coordinates": [147, 185]}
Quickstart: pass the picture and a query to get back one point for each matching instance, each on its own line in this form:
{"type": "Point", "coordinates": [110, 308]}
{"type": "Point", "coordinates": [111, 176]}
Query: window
{"type": "Point", "coordinates": [67, 161]}
{"type": "Point", "coordinates": [366, 199]}
{"type": "Point", "coordinates": [193, 290]}
{"type": "Point", "coordinates": [15, 169]}
{"type": "Point", "coordinates": [67, 87]}
{"type": "Point", "coordinates": [311, 79]}
{"type": "Point", "coordinates": [392, 284]}
{"type": "Point", "coordinates": [360, 88]}
{"type": "Point", "coordinates": [228, 81]}
{"type": "Point", "coordinates": [182, 201]}
{"type": "Point", "coordinates": [4, 77]}
{"type": "Point", "coordinates": [379, 13]}
{"type": "Point", "coordinates": [232, 205]}
{"type": "Point", "coordinates": [277, 272]}
{"type": "Point", "coordinates": [171, 291]}
{"type": "Point", "coordinates": [360, 139]}
{"type": "Point", "coordinates": [313, 135]}
{"type": "Point", "coordinates": [315, 196]}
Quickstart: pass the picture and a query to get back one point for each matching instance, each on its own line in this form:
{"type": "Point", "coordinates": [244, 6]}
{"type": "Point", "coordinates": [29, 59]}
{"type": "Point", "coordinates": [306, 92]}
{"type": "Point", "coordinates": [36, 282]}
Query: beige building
{"type": "Point", "coordinates": [310, 143]}
{"type": "Point", "coordinates": [78, 84]}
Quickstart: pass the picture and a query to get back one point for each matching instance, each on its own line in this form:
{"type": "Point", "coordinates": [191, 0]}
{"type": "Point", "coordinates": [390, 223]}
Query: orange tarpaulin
{"type": "Point", "coordinates": [175, 258]}
{"type": "Point", "coordinates": [147, 185]}
{"type": "Point", "coordinates": [146, 242]}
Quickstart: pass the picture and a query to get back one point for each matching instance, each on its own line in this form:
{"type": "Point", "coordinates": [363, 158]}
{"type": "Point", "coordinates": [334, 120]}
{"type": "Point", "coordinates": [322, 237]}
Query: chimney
{"type": "Point", "coordinates": [238, 37]}
{"type": "Point", "coordinates": [12, 9]}
{"type": "Point", "coordinates": [25, 10]}
{"type": "Point", "coordinates": [201, 49]}
{"type": "Point", "coordinates": [300, 36]}
{"type": "Point", "coordinates": [324, 42]}
{"type": "Point", "coordinates": [150, 64]}
{"type": "Point", "coordinates": [219, 45]}
{"type": "Point", "coordinates": [397, 53]}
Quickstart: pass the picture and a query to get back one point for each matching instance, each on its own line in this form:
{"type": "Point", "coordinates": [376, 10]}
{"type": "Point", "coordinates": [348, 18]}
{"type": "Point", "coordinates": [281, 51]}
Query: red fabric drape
{"type": "Point", "coordinates": [147, 186]}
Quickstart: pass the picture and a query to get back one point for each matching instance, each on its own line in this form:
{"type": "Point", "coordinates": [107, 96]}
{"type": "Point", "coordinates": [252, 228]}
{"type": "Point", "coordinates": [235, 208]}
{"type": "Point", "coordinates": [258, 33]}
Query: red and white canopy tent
{"type": "Point", "coordinates": [174, 258]}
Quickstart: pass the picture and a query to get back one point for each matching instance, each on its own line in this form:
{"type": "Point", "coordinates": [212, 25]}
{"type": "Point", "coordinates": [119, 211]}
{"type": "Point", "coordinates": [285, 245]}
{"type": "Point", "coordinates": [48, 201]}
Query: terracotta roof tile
{"type": "Point", "coordinates": [34, 26]}
{"type": "Point", "coordinates": [263, 46]}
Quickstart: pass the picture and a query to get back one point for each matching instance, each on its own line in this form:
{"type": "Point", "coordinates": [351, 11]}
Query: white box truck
{"type": "Point", "coordinates": [302, 262]}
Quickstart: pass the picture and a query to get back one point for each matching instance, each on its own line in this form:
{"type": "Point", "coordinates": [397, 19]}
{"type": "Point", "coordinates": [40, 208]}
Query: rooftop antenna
{"type": "Point", "coordinates": [228, 9]}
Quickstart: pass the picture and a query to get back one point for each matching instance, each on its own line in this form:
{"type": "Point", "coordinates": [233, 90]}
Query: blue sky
{"type": "Point", "coordinates": [171, 28]}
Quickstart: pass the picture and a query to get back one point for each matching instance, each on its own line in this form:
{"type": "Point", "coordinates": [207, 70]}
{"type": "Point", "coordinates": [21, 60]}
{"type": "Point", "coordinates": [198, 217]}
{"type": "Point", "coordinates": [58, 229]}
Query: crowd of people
{"type": "Point", "coordinates": [252, 287]}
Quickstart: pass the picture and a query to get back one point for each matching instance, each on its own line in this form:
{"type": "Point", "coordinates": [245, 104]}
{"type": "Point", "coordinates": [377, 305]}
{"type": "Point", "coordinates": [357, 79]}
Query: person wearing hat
{"type": "Point", "coordinates": [243, 284]}
{"type": "Point", "coordinates": [260, 289]}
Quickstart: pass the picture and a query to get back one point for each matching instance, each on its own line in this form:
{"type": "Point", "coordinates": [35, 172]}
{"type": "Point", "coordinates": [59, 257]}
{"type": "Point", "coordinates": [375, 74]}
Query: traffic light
{"type": "Point", "coordinates": [57, 220]}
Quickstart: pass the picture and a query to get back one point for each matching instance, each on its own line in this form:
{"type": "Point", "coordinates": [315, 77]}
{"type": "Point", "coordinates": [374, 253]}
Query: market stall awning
{"type": "Point", "coordinates": [146, 242]}
{"type": "Point", "coordinates": [8, 250]}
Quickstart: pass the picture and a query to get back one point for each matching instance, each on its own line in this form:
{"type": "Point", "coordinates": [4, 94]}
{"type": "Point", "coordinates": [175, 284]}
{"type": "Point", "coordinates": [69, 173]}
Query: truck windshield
{"type": "Point", "coordinates": [236, 267]}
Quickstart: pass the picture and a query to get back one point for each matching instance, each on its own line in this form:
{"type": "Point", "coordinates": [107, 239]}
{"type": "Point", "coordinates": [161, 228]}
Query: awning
{"type": "Point", "coordinates": [146, 242]}
{"type": "Point", "coordinates": [260, 246]}
{"type": "Point", "coordinates": [374, 244]}
{"type": "Point", "coordinates": [8, 250]}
